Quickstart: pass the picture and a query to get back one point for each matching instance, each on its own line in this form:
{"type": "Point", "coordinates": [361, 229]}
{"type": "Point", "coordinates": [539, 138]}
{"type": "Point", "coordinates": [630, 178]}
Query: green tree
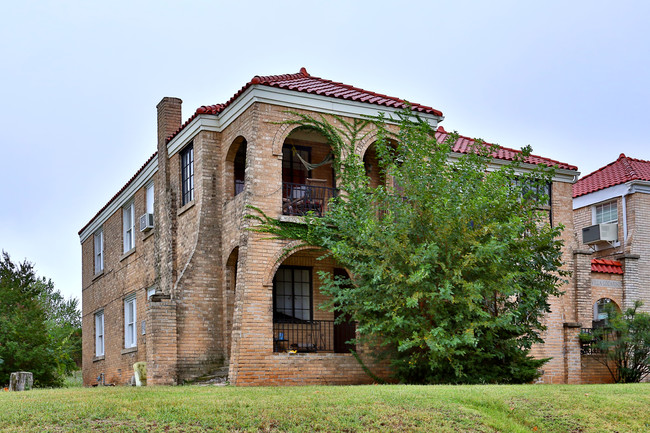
{"type": "Point", "coordinates": [623, 345]}
{"type": "Point", "coordinates": [452, 263]}
{"type": "Point", "coordinates": [39, 330]}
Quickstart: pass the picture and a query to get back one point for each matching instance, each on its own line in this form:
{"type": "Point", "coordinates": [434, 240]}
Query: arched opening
{"type": "Point", "coordinates": [374, 171]}
{"type": "Point", "coordinates": [230, 279]}
{"type": "Point", "coordinates": [298, 323]}
{"type": "Point", "coordinates": [601, 308]}
{"type": "Point", "coordinates": [236, 167]}
{"type": "Point", "coordinates": [308, 179]}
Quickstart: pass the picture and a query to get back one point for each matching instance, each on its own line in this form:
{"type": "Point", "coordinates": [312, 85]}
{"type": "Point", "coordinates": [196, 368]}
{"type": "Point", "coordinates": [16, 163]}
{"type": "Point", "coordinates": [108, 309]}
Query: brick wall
{"type": "Point", "coordinates": [214, 278]}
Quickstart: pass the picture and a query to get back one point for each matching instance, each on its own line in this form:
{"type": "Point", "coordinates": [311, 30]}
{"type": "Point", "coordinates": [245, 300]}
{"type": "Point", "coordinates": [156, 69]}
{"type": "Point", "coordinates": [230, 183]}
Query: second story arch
{"type": "Point", "coordinates": [308, 178]}
{"type": "Point", "coordinates": [235, 167]}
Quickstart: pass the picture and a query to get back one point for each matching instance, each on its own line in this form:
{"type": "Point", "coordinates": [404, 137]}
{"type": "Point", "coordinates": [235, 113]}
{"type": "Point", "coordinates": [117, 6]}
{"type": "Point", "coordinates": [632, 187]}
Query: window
{"type": "Point", "coordinates": [130, 338]}
{"type": "Point", "coordinates": [240, 167]}
{"type": "Point", "coordinates": [187, 175]}
{"type": "Point", "coordinates": [150, 198]}
{"type": "Point", "coordinates": [128, 220]}
{"type": "Point", "coordinates": [99, 333]}
{"type": "Point", "coordinates": [292, 294]}
{"type": "Point", "coordinates": [606, 213]}
{"type": "Point", "coordinates": [99, 251]}
{"type": "Point", "coordinates": [600, 310]}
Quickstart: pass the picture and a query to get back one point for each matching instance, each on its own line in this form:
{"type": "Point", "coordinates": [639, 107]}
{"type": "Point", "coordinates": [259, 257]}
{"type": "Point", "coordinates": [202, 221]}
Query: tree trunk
{"type": "Point", "coordinates": [21, 381]}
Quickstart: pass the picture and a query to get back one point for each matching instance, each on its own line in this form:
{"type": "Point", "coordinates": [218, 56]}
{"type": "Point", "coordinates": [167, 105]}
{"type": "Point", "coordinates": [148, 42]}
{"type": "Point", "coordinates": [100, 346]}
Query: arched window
{"type": "Point", "coordinates": [240, 167]}
{"type": "Point", "coordinates": [600, 311]}
{"type": "Point", "coordinates": [235, 167]}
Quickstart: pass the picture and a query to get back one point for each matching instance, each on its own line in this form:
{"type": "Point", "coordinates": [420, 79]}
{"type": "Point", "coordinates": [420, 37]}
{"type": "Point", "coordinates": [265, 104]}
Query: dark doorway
{"type": "Point", "coordinates": [346, 329]}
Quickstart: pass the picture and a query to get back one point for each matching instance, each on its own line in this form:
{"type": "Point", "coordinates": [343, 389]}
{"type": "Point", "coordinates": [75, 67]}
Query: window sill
{"type": "Point", "coordinates": [129, 350]}
{"type": "Point", "coordinates": [98, 275]}
{"type": "Point", "coordinates": [292, 219]}
{"type": "Point", "coordinates": [127, 254]}
{"type": "Point", "coordinates": [147, 235]}
{"type": "Point", "coordinates": [185, 208]}
{"type": "Point", "coordinates": [98, 358]}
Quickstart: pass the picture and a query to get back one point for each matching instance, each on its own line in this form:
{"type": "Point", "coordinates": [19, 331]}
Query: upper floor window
{"type": "Point", "coordinates": [128, 222]}
{"type": "Point", "coordinates": [187, 174]}
{"type": "Point", "coordinates": [99, 333]}
{"type": "Point", "coordinates": [150, 198]}
{"type": "Point", "coordinates": [240, 167]}
{"type": "Point", "coordinates": [99, 251]}
{"type": "Point", "coordinates": [130, 334]}
{"type": "Point", "coordinates": [606, 213]}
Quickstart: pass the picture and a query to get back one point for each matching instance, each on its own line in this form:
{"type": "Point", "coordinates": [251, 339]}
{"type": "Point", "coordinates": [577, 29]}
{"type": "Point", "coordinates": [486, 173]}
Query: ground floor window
{"type": "Point", "coordinates": [99, 333]}
{"type": "Point", "coordinates": [292, 294]}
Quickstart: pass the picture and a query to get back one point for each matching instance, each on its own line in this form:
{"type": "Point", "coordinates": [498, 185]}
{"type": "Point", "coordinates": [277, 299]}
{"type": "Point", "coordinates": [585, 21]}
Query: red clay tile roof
{"type": "Point", "coordinates": [606, 266]}
{"type": "Point", "coordinates": [303, 82]}
{"type": "Point", "coordinates": [624, 169]}
{"type": "Point", "coordinates": [464, 145]}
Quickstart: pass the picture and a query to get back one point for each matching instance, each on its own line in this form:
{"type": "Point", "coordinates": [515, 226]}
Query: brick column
{"type": "Point", "coordinates": [572, 357]}
{"type": "Point", "coordinates": [631, 280]}
{"type": "Point", "coordinates": [582, 281]}
{"type": "Point", "coordinates": [162, 341]}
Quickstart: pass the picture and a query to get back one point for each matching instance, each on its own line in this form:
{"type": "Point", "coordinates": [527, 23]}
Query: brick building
{"type": "Point", "coordinates": [612, 223]}
{"type": "Point", "coordinates": [172, 277]}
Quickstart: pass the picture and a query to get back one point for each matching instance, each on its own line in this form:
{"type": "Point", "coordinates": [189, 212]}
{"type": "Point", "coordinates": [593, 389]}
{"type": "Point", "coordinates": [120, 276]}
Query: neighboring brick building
{"type": "Point", "coordinates": [172, 277]}
{"type": "Point", "coordinates": [613, 257]}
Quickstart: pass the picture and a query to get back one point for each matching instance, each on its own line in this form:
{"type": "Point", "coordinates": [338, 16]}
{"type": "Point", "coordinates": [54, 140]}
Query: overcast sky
{"type": "Point", "coordinates": [79, 82]}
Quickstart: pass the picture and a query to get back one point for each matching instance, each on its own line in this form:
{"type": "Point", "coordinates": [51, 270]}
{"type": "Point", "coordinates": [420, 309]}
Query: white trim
{"type": "Point", "coordinates": [145, 176]}
{"type": "Point", "coordinates": [286, 98]}
{"type": "Point", "coordinates": [132, 339]}
{"type": "Point", "coordinates": [607, 194]}
{"type": "Point", "coordinates": [99, 318]}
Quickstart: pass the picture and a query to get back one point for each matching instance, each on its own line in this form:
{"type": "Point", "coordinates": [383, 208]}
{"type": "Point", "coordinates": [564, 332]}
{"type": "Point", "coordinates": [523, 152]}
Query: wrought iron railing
{"type": "Point", "coordinates": [588, 342]}
{"type": "Point", "coordinates": [313, 336]}
{"type": "Point", "coordinates": [298, 199]}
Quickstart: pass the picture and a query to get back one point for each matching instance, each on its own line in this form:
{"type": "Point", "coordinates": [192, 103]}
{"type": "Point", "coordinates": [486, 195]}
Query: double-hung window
{"type": "Point", "coordinates": [130, 334]}
{"type": "Point", "coordinates": [292, 294]}
{"type": "Point", "coordinates": [606, 213]}
{"type": "Point", "coordinates": [128, 220]}
{"type": "Point", "coordinates": [99, 251]}
{"type": "Point", "coordinates": [99, 333]}
{"type": "Point", "coordinates": [187, 174]}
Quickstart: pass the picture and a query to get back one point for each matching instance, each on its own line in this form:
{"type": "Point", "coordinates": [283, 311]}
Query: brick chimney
{"type": "Point", "coordinates": [162, 344]}
{"type": "Point", "coordinates": [169, 117]}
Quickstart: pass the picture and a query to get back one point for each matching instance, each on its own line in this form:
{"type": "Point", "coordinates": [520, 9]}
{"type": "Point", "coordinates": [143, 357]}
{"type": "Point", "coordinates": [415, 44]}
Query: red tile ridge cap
{"type": "Point", "coordinates": [606, 262]}
{"type": "Point", "coordinates": [126, 185]}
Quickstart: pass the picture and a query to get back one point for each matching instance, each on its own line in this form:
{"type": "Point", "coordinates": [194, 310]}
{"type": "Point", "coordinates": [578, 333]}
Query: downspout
{"type": "Point", "coordinates": [625, 215]}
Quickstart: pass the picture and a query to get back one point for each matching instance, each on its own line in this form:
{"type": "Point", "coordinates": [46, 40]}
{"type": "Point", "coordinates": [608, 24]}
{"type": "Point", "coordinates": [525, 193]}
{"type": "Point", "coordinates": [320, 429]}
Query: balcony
{"type": "Point", "coordinates": [310, 336]}
{"type": "Point", "coordinates": [299, 199]}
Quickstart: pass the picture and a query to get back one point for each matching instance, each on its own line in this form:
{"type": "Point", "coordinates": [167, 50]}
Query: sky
{"type": "Point", "coordinates": [79, 82]}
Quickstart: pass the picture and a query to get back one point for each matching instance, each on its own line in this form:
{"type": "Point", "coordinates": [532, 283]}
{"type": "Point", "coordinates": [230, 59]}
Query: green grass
{"type": "Point", "coordinates": [524, 408]}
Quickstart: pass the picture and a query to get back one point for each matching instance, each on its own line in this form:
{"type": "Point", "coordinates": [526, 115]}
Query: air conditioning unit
{"type": "Point", "coordinates": [146, 222]}
{"type": "Point", "coordinates": [600, 233]}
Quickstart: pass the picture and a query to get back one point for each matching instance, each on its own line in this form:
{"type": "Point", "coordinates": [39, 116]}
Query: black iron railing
{"type": "Point", "coordinates": [588, 342]}
{"type": "Point", "coordinates": [298, 199]}
{"type": "Point", "coordinates": [313, 336]}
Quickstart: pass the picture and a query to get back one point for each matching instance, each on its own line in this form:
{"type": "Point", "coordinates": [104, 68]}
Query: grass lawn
{"type": "Point", "coordinates": [489, 408]}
